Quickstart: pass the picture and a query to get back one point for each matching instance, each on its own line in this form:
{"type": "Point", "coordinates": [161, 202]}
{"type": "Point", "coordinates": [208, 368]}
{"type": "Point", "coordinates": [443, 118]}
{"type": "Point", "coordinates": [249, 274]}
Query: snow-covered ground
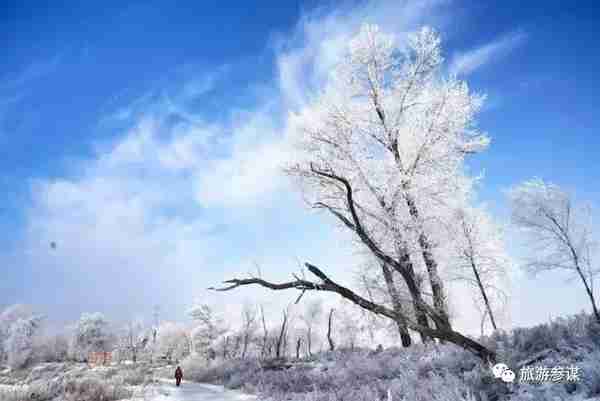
{"type": "Point", "coordinates": [189, 391]}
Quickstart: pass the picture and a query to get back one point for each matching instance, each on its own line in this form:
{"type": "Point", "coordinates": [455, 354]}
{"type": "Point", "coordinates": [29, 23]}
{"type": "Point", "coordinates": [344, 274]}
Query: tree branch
{"type": "Point", "coordinates": [331, 286]}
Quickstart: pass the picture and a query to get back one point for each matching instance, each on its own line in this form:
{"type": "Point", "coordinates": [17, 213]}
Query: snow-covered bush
{"type": "Point", "coordinates": [91, 389]}
{"type": "Point", "coordinates": [134, 377]}
{"type": "Point", "coordinates": [51, 349]}
{"type": "Point", "coordinates": [228, 372]}
{"type": "Point", "coordinates": [592, 331]}
{"type": "Point", "coordinates": [424, 372]}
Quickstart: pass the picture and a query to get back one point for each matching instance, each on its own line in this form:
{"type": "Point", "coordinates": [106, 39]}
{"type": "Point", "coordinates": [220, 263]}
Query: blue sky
{"type": "Point", "coordinates": [145, 138]}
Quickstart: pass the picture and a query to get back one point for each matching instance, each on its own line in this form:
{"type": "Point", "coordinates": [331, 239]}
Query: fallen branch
{"type": "Point", "coordinates": [329, 285]}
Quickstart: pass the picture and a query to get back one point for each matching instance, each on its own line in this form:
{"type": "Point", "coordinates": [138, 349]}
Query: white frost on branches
{"type": "Point", "coordinates": [559, 230]}
{"type": "Point", "coordinates": [18, 329]}
{"type": "Point", "coordinates": [398, 132]}
{"type": "Point", "coordinates": [91, 335]}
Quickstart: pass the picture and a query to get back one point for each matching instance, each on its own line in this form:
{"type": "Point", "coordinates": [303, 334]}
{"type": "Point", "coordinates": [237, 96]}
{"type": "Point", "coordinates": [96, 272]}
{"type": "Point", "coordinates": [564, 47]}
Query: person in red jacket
{"type": "Point", "coordinates": [178, 376]}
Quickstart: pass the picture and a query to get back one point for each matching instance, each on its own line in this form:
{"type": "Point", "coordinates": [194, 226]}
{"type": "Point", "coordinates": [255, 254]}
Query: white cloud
{"type": "Point", "coordinates": [464, 63]}
{"type": "Point", "coordinates": [169, 210]}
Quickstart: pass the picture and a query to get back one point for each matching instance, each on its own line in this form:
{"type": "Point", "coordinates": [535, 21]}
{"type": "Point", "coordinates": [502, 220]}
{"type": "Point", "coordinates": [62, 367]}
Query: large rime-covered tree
{"type": "Point", "coordinates": [382, 149]}
{"type": "Point", "coordinates": [390, 133]}
{"type": "Point", "coordinates": [559, 231]}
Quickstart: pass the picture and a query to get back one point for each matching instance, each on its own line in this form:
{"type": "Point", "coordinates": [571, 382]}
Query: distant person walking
{"type": "Point", "coordinates": [178, 376]}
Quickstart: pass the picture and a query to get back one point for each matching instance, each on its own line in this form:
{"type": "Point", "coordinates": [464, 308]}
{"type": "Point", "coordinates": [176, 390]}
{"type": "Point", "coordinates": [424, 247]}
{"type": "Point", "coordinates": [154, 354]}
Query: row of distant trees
{"type": "Point", "coordinates": [23, 338]}
{"type": "Point", "coordinates": [303, 330]}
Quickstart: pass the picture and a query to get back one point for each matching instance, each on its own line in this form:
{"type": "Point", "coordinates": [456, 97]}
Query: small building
{"type": "Point", "coordinates": [100, 358]}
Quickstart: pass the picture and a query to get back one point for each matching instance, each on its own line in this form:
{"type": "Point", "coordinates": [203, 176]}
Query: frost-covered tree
{"type": "Point", "coordinates": [310, 317]}
{"type": "Point", "coordinates": [8, 316]}
{"type": "Point", "coordinates": [559, 231]}
{"type": "Point", "coordinates": [19, 326]}
{"type": "Point", "coordinates": [208, 327]}
{"type": "Point", "coordinates": [480, 258]}
{"type": "Point", "coordinates": [249, 327]}
{"type": "Point", "coordinates": [383, 147]}
{"type": "Point", "coordinates": [91, 334]}
{"type": "Point", "coordinates": [134, 338]}
{"type": "Point", "coordinates": [19, 342]}
{"type": "Point", "coordinates": [382, 150]}
{"type": "Point", "coordinates": [282, 337]}
{"type": "Point", "coordinates": [173, 341]}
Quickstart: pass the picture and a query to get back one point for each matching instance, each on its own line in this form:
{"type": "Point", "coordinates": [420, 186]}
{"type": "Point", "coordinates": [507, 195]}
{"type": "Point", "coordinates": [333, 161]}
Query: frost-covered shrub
{"type": "Point", "coordinates": [91, 389]}
{"type": "Point", "coordinates": [590, 374]}
{"type": "Point", "coordinates": [424, 372]}
{"type": "Point", "coordinates": [592, 330]}
{"type": "Point", "coordinates": [134, 377]}
{"type": "Point", "coordinates": [535, 339]}
{"type": "Point", "coordinates": [227, 372]}
{"type": "Point", "coordinates": [51, 349]}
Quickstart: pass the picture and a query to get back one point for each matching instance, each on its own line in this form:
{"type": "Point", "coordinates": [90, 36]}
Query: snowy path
{"type": "Point", "coordinates": [189, 391]}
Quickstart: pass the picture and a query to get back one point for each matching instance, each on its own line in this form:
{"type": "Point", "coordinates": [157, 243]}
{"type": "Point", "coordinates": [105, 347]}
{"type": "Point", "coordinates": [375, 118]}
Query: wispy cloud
{"type": "Point", "coordinates": [464, 63]}
{"type": "Point", "coordinates": [31, 72]}
{"type": "Point", "coordinates": [183, 200]}
{"type": "Point", "coordinates": [15, 88]}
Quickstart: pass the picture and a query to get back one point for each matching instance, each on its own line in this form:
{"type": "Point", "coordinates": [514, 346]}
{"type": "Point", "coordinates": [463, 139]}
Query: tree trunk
{"type": "Point", "coordinates": [225, 348]}
{"type": "Point", "coordinates": [329, 339]}
{"type": "Point", "coordinates": [588, 290]}
{"type": "Point", "coordinates": [280, 340]}
{"type": "Point", "coordinates": [266, 333]}
{"type": "Point", "coordinates": [396, 303]}
{"type": "Point", "coordinates": [298, 344]}
{"type": "Point", "coordinates": [483, 294]}
{"type": "Point", "coordinates": [437, 289]}
{"type": "Point", "coordinates": [245, 346]}
{"type": "Point", "coordinates": [408, 274]}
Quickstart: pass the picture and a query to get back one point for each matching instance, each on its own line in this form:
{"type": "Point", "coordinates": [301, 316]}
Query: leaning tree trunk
{"type": "Point", "coordinates": [483, 294]}
{"type": "Point", "coordinates": [588, 289]}
{"type": "Point", "coordinates": [397, 304]}
{"type": "Point", "coordinates": [408, 274]}
{"type": "Point", "coordinates": [437, 289]}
